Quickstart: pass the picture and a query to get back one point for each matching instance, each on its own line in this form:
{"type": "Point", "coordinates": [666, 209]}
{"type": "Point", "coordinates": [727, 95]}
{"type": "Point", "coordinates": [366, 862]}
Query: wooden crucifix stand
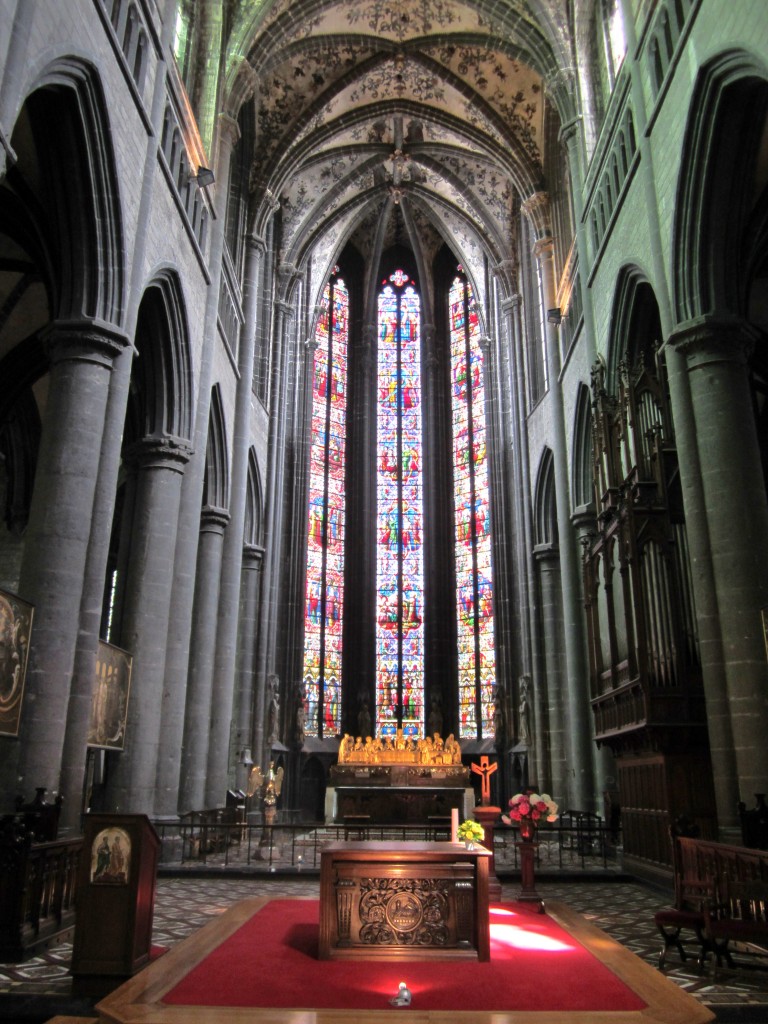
{"type": "Point", "coordinates": [488, 816]}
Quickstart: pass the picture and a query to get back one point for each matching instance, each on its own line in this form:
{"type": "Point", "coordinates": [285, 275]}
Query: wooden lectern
{"type": "Point", "coordinates": [115, 897]}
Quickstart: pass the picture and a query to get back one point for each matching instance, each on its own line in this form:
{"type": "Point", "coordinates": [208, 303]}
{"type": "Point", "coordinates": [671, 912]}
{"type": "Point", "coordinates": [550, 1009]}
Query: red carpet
{"type": "Point", "coordinates": [271, 961]}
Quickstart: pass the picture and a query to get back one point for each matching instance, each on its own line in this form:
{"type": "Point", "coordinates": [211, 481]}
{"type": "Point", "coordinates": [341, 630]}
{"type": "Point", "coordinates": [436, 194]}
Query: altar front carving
{"type": "Point", "coordinates": [402, 900]}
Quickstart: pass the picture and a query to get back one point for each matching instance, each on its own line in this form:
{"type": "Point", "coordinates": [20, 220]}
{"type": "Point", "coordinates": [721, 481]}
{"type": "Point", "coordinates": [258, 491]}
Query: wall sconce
{"type": "Point", "coordinates": [554, 316]}
{"type": "Point", "coordinates": [204, 177]}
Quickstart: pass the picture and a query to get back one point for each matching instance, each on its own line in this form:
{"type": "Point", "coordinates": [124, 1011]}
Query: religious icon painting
{"type": "Point", "coordinates": [111, 857]}
{"type": "Point", "coordinates": [109, 708]}
{"type": "Point", "coordinates": [15, 629]}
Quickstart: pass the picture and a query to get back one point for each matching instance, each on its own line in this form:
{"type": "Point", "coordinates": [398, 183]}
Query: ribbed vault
{"type": "Point", "coordinates": [384, 120]}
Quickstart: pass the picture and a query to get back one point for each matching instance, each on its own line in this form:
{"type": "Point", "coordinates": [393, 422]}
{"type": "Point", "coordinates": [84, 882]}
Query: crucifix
{"type": "Point", "coordinates": [485, 770]}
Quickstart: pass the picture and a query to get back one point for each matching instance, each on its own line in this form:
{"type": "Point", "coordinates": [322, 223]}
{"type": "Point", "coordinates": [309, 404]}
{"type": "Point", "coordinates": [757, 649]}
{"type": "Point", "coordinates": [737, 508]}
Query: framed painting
{"type": "Point", "coordinates": [111, 857]}
{"type": "Point", "coordinates": [15, 630]}
{"type": "Point", "coordinates": [109, 709]}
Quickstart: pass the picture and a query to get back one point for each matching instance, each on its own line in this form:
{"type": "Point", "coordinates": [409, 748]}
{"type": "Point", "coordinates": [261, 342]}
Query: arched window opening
{"type": "Point", "coordinates": [324, 591]}
{"type": "Point", "coordinates": [399, 516]}
{"type": "Point", "coordinates": [614, 39]}
{"type": "Point", "coordinates": [474, 573]}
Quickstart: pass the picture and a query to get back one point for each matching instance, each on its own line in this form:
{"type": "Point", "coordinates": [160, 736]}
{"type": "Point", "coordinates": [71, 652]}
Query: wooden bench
{"type": "Point", "coordinates": [740, 916]}
{"type": "Point", "coordinates": [687, 913]}
{"type": "Point", "coordinates": [707, 875]}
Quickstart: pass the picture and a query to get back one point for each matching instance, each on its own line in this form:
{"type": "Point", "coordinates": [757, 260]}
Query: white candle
{"type": "Point", "coordinates": [454, 825]}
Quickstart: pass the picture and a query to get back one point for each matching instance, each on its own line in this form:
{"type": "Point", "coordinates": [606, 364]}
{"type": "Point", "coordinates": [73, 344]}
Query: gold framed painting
{"type": "Point", "coordinates": [15, 630]}
{"type": "Point", "coordinates": [109, 709]}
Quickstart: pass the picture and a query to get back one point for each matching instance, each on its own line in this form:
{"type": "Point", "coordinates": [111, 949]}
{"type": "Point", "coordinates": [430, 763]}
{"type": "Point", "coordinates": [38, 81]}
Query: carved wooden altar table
{"type": "Point", "coordinates": [404, 901]}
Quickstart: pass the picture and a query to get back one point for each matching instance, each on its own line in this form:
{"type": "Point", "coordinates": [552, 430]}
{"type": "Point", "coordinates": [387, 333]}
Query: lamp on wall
{"type": "Point", "coordinates": [204, 177]}
{"type": "Point", "coordinates": [554, 316]}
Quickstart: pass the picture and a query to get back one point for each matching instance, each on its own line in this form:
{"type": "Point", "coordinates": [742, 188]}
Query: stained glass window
{"type": "Point", "coordinates": [474, 581]}
{"type": "Point", "coordinates": [324, 593]}
{"type": "Point", "coordinates": [399, 522]}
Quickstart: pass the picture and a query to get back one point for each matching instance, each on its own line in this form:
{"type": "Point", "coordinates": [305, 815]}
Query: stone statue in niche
{"type": "Point", "coordinates": [273, 710]}
{"type": "Point", "coordinates": [300, 714]}
{"type": "Point", "coordinates": [524, 711]}
{"type": "Point", "coordinates": [435, 720]}
{"type": "Point", "coordinates": [364, 727]}
{"type": "Point", "coordinates": [500, 716]}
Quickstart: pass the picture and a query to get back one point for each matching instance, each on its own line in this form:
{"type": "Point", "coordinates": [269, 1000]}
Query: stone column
{"type": "Point", "coordinates": [197, 731]}
{"type": "Point", "coordinates": [715, 352]}
{"type": "Point", "coordinates": [177, 660]}
{"type": "Point", "coordinates": [274, 513]}
{"type": "Point", "coordinates": [232, 556]}
{"type": "Point", "coordinates": [81, 694]}
{"type": "Point", "coordinates": [571, 135]}
{"type": "Point", "coordinates": [551, 711]}
{"type": "Point", "coordinates": [159, 466]}
{"type": "Point", "coordinates": [579, 725]}
{"type": "Point", "coordinates": [530, 634]}
{"type": "Point", "coordinates": [57, 537]}
{"type": "Point", "coordinates": [498, 506]}
{"type": "Point", "coordinates": [249, 610]}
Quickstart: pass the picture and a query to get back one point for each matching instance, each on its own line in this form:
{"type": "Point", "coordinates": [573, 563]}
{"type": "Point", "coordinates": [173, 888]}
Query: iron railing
{"type": "Point", "coordinates": [292, 846]}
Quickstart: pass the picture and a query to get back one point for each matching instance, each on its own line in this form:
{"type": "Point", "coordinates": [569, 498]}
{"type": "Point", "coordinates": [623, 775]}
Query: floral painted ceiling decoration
{"type": "Point", "coordinates": [428, 114]}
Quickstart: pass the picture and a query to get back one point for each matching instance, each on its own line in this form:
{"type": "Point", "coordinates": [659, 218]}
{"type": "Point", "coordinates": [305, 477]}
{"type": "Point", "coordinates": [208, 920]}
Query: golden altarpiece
{"type": "Point", "coordinates": [646, 681]}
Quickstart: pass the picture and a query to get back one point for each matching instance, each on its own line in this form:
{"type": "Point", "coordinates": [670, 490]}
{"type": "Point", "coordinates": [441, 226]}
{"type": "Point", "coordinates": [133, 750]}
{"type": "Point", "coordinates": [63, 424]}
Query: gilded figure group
{"type": "Point", "coordinates": [399, 749]}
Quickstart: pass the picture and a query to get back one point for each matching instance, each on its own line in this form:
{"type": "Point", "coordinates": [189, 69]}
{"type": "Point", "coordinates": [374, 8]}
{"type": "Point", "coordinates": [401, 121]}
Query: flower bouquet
{"type": "Point", "coordinates": [470, 832]}
{"type": "Point", "coordinates": [528, 809]}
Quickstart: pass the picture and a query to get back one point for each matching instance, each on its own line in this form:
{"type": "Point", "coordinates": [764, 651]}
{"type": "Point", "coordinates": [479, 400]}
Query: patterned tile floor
{"type": "Point", "coordinates": [624, 910]}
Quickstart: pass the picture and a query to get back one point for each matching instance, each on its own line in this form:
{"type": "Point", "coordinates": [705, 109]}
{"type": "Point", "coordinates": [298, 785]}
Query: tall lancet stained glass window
{"type": "Point", "coordinates": [399, 513]}
{"type": "Point", "coordinates": [474, 578]}
{"type": "Point", "coordinates": [324, 592]}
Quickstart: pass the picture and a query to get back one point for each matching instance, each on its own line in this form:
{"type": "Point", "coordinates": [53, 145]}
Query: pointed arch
{"type": "Point", "coordinates": [544, 507]}
{"type": "Point", "coordinates": [253, 533]}
{"type": "Point", "coordinates": [635, 331]}
{"type": "Point", "coordinates": [216, 480]}
{"type": "Point", "coordinates": [161, 393]}
{"type": "Point", "coordinates": [715, 191]}
{"type": "Point", "coordinates": [582, 485]}
{"type": "Point", "coordinates": [70, 128]}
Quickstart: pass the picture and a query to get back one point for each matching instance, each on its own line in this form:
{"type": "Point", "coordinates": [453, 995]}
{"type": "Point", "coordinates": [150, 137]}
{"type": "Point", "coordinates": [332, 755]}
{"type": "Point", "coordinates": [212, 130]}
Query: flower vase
{"type": "Point", "coordinates": [527, 830]}
{"type": "Point", "coordinates": [469, 844]}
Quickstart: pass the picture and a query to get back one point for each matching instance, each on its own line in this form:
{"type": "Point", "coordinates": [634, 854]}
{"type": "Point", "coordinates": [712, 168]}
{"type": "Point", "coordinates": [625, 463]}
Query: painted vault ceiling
{"type": "Point", "coordinates": [416, 122]}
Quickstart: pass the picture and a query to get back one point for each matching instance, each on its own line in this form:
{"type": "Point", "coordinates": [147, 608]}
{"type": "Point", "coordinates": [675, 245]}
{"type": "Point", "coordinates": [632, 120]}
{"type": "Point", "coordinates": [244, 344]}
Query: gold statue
{"type": "Point", "coordinates": [267, 787]}
{"type": "Point", "coordinates": [399, 749]}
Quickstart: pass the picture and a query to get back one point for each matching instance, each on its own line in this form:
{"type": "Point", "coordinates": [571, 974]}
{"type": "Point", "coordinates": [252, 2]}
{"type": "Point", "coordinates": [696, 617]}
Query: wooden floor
{"type": "Point", "coordinates": [141, 998]}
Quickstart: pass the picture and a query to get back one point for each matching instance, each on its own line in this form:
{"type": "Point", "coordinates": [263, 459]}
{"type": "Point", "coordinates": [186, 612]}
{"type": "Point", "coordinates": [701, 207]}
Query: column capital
{"type": "Point", "coordinates": [714, 339]}
{"type": "Point", "coordinates": [7, 155]}
{"type": "Point", "coordinates": [83, 341]}
{"type": "Point", "coordinates": [229, 129]}
{"type": "Point", "coordinates": [257, 245]}
{"type": "Point", "coordinates": [253, 557]}
{"type": "Point", "coordinates": [213, 519]}
{"type": "Point", "coordinates": [584, 519]}
{"type": "Point", "coordinates": [511, 303]}
{"type": "Point", "coordinates": [544, 248]}
{"type": "Point", "coordinates": [159, 453]}
{"type": "Point", "coordinates": [537, 209]}
{"type": "Point", "coordinates": [547, 553]}
{"type": "Point", "coordinates": [285, 309]}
